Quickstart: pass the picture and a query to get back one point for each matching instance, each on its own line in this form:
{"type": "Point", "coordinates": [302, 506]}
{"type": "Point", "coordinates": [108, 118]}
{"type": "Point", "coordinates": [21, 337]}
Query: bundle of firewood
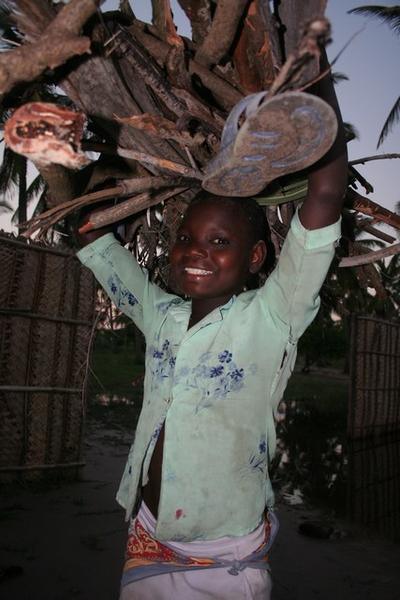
{"type": "Point", "coordinates": [151, 104]}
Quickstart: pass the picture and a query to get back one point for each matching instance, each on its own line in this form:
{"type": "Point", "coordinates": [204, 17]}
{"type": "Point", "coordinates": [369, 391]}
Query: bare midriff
{"type": "Point", "coordinates": [151, 491]}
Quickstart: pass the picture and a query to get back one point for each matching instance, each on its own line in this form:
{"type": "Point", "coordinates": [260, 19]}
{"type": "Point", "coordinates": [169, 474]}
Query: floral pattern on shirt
{"type": "Point", "coordinates": [214, 377]}
{"type": "Point", "coordinates": [257, 461]}
{"type": "Point", "coordinates": [121, 295]}
{"type": "Point", "coordinates": [163, 307]}
{"type": "Point", "coordinates": [255, 465]}
{"type": "Point", "coordinates": [161, 362]}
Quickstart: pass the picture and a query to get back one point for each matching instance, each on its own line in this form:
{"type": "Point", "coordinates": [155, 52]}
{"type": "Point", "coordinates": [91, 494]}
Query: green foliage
{"type": "Point", "coordinates": [323, 342]}
{"type": "Point", "coordinates": [115, 368]}
{"type": "Point", "coordinates": [388, 14]}
{"type": "Point", "coordinates": [328, 394]}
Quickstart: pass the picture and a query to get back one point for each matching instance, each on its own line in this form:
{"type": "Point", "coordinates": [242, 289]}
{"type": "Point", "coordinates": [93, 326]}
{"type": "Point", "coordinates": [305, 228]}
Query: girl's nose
{"type": "Point", "coordinates": [197, 250]}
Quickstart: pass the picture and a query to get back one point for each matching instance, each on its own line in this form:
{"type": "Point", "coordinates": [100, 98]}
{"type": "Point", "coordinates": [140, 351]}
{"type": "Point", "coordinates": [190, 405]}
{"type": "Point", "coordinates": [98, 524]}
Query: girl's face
{"type": "Point", "coordinates": [213, 253]}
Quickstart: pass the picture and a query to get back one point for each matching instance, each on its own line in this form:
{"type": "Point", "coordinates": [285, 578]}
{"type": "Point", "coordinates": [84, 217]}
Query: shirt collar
{"type": "Point", "coordinates": [213, 317]}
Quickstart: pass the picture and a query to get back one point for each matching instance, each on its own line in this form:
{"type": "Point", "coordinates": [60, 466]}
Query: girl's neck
{"type": "Point", "coordinates": [201, 307]}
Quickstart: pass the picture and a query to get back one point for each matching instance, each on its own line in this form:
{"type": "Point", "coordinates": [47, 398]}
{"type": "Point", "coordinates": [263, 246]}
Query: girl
{"type": "Point", "coordinates": [217, 364]}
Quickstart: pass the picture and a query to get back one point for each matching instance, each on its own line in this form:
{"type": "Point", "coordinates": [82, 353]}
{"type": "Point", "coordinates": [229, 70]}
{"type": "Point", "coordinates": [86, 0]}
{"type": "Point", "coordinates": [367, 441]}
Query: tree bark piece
{"type": "Point", "coordinates": [124, 188]}
{"type": "Point", "coordinates": [293, 74]}
{"type": "Point", "coordinates": [253, 56]}
{"type": "Point", "coordinates": [366, 225]}
{"type": "Point", "coordinates": [96, 88]}
{"type": "Point", "coordinates": [147, 159]}
{"type": "Point", "coordinates": [222, 32]}
{"type": "Point", "coordinates": [199, 14]}
{"type": "Point", "coordinates": [225, 94]}
{"type": "Point", "coordinates": [59, 42]}
{"type": "Point", "coordinates": [163, 21]}
{"type": "Point", "coordinates": [363, 259]}
{"type": "Point", "coordinates": [127, 208]}
{"type": "Point", "coordinates": [163, 128]}
{"type": "Point", "coordinates": [365, 159]}
{"type": "Point", "coordinates": [294, 17]}
{"type": "Point", "coordinates": [372, 209]}
{"type": "Point", "coordinates": [150, 73]}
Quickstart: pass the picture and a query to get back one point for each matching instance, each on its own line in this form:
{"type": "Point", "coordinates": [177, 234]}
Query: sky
{"type": "Point", "coordinates": [370, 62]}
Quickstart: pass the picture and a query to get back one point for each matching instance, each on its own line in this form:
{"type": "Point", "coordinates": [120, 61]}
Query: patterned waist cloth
{"type": "Point", "coordinates": [147, 557]}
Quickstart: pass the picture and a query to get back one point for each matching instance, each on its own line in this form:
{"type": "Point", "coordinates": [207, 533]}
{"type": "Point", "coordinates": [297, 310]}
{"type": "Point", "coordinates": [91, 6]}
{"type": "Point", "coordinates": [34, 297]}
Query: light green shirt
{"type": "Point", "coordinates": [216, 386]}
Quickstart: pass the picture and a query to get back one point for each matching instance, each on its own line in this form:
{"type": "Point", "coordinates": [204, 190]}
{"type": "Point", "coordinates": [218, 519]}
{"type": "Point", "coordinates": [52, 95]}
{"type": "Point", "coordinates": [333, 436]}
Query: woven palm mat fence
{"type": "Point", "coordinates": [373, 489]}
{"type": "Point", "coordinates": [46, 317]}
{"type": "Point", "coordinates": [374, 406]}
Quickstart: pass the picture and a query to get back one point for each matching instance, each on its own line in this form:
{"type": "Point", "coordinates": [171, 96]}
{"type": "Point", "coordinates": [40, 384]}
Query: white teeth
{"type": "Point", "coordinates": [193, 271]}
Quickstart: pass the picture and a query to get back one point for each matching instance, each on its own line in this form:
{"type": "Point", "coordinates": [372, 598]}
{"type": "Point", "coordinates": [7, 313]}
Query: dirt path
{"type": "Point", "coordinates": [67, 542]}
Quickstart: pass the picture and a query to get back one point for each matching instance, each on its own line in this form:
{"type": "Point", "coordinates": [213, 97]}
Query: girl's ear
{"type": "Point", "coordinates": [257, 256]}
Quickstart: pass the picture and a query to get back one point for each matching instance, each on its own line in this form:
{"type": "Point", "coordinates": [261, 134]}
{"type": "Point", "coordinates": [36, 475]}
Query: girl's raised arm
{"type": "Point", "coordinates": [327, 179]}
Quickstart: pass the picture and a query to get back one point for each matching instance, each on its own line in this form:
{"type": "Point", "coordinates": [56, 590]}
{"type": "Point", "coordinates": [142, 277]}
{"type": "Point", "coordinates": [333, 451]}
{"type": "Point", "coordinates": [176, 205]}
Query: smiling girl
{"type": "Point", "coordinates": [196, 485]}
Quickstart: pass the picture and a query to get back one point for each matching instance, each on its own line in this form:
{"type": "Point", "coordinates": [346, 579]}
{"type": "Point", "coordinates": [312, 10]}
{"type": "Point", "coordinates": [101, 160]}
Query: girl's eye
{"type": "Point", "coordinates": [220, 241]}
{"type": "Point", "coordinates": [182, 237]}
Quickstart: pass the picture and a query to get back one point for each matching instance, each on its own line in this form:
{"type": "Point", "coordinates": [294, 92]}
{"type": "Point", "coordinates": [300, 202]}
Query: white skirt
{"type": "Point", "coordinates": [206, 584]}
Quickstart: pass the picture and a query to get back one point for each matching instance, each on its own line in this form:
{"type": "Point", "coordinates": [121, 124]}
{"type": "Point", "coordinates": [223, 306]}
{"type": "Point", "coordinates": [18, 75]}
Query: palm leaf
{"type": "Point", "coordinates": [41, 204]}
{"type": "Point", "coordinates": [350, 132]}
{"type": "Point", "coordinates": [36, 191]}
{"type": "Point", "coordinates": [337, 77]}
{"type": "Point", "coordinates": [387, 14]}
{"type": "Point", "coordinates": [35, 188]}
{"type": "Point", "coordinates": [9, 170]}
{"type": "Point", "coordinates": [5, 206]}
{"type": "Point", "coordinates": [392, 119]}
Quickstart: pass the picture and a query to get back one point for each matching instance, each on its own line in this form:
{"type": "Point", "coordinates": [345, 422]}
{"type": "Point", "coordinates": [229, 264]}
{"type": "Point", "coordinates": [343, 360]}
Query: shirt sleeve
{"type": "Point", "coordinates": [291, 293]}
{"type": "Point", "coordinates": [125, 282]}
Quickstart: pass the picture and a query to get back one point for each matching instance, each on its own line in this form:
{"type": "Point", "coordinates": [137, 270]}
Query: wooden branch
{"type": "Point", "coordinates": [365, 159]}
{"type": "Point", "coordinates": [376, 232]}
{"type": "Point", "coordinates": [151, 74]}
{"type": "Point", "coordinates": [225, 94]}
{"type": "Point", "coordinates": [293, 17]}
{"type": "Point", "coordinates": [127, 208]}
{"type": "Point", "coordinates": [368, 276]}
{"type": "Point", "coordinates": [199, 15]}
{"type": "Point", "coordinates": [59, 42]}
{"type": "Point", "coordinates": [125, 187]}
{"type": "Point", "coordinates": [210, 118]}
{"type": "Point", "coordinates": [163, 21]}
{"type": "Point", "coordinates": [366, 184]}
{"type": "Point", "coordinates": [164, 128]}
{"type": "Point", "coordinates": [363, 259]}
{"type": "Point", "coordinates": [372, 209]}
{"type": "Point", "coordinates": [161, 163]}
{"type": "Point", "coordinates": [253, 56]}
{"type": "Point", "coordinates": [222, 32]}
{"type": "Point", "coordinates": [175, 62]}
{"type": "Point", "coordinates": [136, 55]}
{"type": "Point", "coordinates": [292, 72]}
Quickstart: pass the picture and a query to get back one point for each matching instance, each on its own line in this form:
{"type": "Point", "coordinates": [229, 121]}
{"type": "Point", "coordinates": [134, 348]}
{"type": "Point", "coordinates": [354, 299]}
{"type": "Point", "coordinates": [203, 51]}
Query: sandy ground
{"type": "Point", "coordinates": [67, 541]}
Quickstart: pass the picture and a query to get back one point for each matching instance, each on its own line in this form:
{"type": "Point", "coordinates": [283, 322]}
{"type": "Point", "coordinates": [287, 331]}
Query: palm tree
{"type": "Point", "coordinates": [391, 16]}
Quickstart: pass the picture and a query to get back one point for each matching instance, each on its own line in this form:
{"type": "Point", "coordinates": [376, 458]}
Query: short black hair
{"type": "Point", "coordinates": [254, 214]}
